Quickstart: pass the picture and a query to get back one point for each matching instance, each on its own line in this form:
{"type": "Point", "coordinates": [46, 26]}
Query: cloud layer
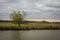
{"type": "Point", "coordinates": [38, 9]}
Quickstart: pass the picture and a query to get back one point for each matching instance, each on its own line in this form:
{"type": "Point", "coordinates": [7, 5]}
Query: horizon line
{"type": "Point", "coordinates": [49, 20]}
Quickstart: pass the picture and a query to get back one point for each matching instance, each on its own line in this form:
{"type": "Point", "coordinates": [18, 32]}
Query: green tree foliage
{"type": "Point", "coordinates": [17, 17]}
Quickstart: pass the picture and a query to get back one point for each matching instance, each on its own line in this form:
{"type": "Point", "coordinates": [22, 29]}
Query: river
{"type": "Point", "coordinates": [30, 35]}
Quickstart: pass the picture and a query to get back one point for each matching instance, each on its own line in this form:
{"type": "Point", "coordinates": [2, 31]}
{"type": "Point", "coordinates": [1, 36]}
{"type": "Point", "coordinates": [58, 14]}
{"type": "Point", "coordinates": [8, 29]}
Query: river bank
{"type": "Point", "coordinates": [29, 25]}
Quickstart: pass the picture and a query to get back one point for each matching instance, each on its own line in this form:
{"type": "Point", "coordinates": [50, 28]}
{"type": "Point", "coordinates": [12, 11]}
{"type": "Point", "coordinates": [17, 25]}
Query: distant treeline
{"type": "Point", "coordinates": [29, 21]}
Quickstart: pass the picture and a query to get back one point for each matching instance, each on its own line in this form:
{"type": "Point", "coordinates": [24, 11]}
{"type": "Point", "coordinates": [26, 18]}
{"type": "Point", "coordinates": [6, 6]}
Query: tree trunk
{"type": "Point", "coordinates": [19, 25]}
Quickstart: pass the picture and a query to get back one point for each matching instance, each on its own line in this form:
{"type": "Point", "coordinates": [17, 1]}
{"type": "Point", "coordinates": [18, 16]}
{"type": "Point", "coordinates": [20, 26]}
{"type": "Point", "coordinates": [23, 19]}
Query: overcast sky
{"type": "Point", "coordinates": [36, 9]}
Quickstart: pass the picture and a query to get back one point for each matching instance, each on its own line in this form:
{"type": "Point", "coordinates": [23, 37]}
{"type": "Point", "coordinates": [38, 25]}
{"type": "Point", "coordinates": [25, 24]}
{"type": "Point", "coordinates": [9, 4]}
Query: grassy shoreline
{"type": "Point", "coordinates": [30, 25]}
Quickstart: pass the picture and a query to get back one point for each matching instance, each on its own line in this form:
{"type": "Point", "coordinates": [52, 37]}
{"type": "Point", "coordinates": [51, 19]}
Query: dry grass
{"type": "Point", "coordinates": [30, 25]}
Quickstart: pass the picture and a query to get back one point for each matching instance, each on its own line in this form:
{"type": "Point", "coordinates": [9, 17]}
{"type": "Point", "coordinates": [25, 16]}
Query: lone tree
{"type": "Point", "coordinates": [17, 17]}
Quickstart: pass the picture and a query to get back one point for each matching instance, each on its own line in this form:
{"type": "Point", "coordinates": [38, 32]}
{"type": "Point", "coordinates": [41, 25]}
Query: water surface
{"type": "Point", "coordinates": [30, 35]}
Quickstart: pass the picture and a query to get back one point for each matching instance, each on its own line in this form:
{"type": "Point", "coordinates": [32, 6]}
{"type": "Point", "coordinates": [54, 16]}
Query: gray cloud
{"type": "Point", "coordinates": [44, 9]}
{"type": "Point", "coordinates": [12, 1]}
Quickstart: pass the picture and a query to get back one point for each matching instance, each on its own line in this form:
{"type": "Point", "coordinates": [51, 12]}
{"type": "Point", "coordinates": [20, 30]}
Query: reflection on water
{"type": "Point", "coordinates": [30, 35]}
{"type": "Point", "coordinates": [15, 35]}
